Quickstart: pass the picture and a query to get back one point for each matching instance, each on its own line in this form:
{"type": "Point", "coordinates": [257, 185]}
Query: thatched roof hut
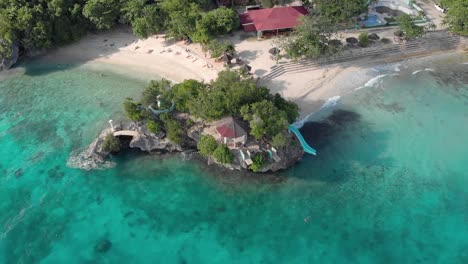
{"type": "Point", "coordinates": [352, 40]}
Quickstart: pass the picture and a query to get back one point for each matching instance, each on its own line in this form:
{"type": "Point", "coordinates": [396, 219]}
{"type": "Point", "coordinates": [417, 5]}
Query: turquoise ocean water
{"type": "Point", "coordinates": [389, 184]}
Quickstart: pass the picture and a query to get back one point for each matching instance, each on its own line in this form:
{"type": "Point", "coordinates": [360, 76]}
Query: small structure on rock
{"type": "Point", "coordinates": [231, 131]}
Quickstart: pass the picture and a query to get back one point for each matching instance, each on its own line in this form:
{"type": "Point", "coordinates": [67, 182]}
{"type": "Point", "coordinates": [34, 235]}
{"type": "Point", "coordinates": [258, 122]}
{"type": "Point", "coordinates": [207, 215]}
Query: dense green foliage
{"type": "Point", "coordinates": [265, 119]}
{"type": "Point", "coordinates": [257, 162]}
{"type": "Point", "coordinates": [457, 15]}
{"type": "Point", "coordinates": [363, 39]}
{"type": "Point", "coordinates": [340, 10]}
{"type": "Point", "coordinates": [103, 13]}
{"type": "Point", "coordinates": [152, 126]}
{"type": "Point", "coordinates": [217, 48]}
{"type": "Point", "coordinates": [225, 96]}
{"type": "Point", "coordinates": [111, 143]}
{"type": "Point", "coordinates": [279, 140]}
{"type": "Point", "coordinates": [173, 129]}
{"type": "Point", "coordinates": [155, 89]}
{"type": "Point", "coordinates": [310, 39]}
{"type": "Point", "coordinates": [222, 154]}
{"type": "Point", "coordinates": [216, 22]}
{"type": "Point", "coordinates": [207, 145]}
{"type": "Point", "coordinates": [145, 19]}
{"type": "Point", "coordinates": [230, 94]}
{"type": "Point", "coordinates": [182, 93]}
{"type": "Point", "coordinates": [409, 28]}
{"type": "Point", "coordinates": [133, 110]}
{"type": "Point", "coordinates": [42, 24]}
{"type": "Point", "coordinates": [291, 109]}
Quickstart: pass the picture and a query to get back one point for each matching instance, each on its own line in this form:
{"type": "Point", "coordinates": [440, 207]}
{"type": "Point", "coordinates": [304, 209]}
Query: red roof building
{"type": "Point", "coordinates": [272, 19]}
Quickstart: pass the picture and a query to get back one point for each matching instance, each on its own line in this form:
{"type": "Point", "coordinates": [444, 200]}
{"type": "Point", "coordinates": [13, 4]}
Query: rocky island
{"type": "Point", "coordinates": [230, 121]}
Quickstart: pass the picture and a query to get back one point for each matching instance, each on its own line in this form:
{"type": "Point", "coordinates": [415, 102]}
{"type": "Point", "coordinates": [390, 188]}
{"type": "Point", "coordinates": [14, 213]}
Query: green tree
{"type": "Point", "coordinates": [217, 48]}
{"type": "Point", "coordinates": [173, 129]}
{"type": "Point", "coordinates": [456, 17]}
{"type": "Point", "coordinates": [152, 126]}
{"type": "Point", "coordinates": [207, 145]}
{"type": "Point", "coordinates": [257, 162]}
{"type": "Point", "coordinates": [133, 110]}
{"type": "Point", "coordinates": [291, 109]}
{"type": "Point", "coordinates": [340, 10]}
{"type": "Point", "coordinates": [310, 39]}
{"type": "Point", "coordinates": [218, 21]}
{"type": "Point", "coordinates": [183, 17]}
{"type": "Point", "coordinates": [145, 19]}
{"type": "Point", "coordinates": [409, 28]}
{"type": "Point", "coordinates": [265, 119]}
{"type": "Point", "coordinates": [182, 93]}
{"type": "Point", "coordinates": [363, 39]}
{"type": "Point", "coordinates": [223, 155]}
{"type": "Point", "coordinates": [279, 140]}
{"type": "Point", "coordinates": [111, 143]}
{"type": "Point", "coordinates": [153, 90]}
{"type": "Point", "coordinates": [103, 13]}
{"type": "Point", "coordinates": [225, 96]}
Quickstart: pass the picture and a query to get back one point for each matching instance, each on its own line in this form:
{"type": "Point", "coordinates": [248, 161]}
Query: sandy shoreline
{"type": "Point", "coordinates": [175, 61]}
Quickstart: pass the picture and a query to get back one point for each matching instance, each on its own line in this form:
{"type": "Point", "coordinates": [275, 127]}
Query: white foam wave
{"type": "Point", "coordinates": [426, 69]}
{"type": "Point", "coordinates": [374, 81]}
{"type": "Point", "coordinates": [329, 103]}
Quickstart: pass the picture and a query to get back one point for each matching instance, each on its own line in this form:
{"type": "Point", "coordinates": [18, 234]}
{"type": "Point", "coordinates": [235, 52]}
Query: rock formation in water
{"type": "Point", "coordinates": [7, 61]}
{"type": "Point", "coordinates": [136, 136]}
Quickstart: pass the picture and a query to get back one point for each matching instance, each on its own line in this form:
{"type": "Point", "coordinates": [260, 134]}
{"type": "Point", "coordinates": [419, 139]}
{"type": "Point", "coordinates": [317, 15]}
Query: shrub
{"type": "Point", "coordinates": [257, 163]}
{"type": "Point", "coordinates": [152, 126]}
{"type": "Point", "coordinates": [363, 39]}
{"type": "Point", "coordinates": [173, 130]}
{"type": "Point", "coordinates": [216, 48]}
{"type": "Point", "coordinates": [133, 110]}
{"type": "Point", "coordinates": [111, 143]}
{"type": "Point", "coordinates": [279, 140]}
{"type": "Point", "coordinates": [155, 89]}
{"type": "Point", "coordinates": [222, 154]}
{"type": "Point", "coordinates": [207, 145]}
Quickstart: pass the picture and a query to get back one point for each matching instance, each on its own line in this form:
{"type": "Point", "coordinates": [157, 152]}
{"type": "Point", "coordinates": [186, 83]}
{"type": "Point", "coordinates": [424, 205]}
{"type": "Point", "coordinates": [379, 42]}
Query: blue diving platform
{"type": "Point", "coordinates": [304, 144]}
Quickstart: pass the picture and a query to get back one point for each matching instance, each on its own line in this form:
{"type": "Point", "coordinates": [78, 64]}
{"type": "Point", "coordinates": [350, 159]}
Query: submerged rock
{"type": "Point", "coordinates": [7, 61]}
{"type": "Point", "coordinates": [18, 173]}
{"type": "Point", "coordinates": [103, 246]}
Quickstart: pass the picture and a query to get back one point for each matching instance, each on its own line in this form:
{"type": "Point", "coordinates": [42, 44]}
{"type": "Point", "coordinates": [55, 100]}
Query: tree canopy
{"type": "Point", "coordinates": [310, 39]}
{"type": "Point", "coordinates": [456, 17]}
{"type": "Point", "coordinates": [43, 24]}
{"type": "Point", "coordinates": [409, 28]}
{"type": "Point", "coordinates": [340, 10]}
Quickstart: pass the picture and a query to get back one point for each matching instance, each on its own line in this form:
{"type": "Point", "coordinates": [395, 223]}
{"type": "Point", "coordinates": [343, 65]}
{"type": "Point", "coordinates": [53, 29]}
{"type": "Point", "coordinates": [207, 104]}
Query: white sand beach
{"type": "Point", "coordinates": [173, 61]}
{"type": "Point", "coordinates": [309, 88]}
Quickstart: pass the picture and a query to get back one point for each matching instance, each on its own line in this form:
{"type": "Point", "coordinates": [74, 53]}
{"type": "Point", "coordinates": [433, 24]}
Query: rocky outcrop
{"type": "Point", "coordinates": [136, 136]}
{"type": "Point", "coordinates": [7, 61]}
{"type": "Point", "coordinates": [94, 157]}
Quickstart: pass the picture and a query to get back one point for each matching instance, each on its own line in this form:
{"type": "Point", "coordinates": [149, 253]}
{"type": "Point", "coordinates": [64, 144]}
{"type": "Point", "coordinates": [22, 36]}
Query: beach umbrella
{"type": "Point", "coordinates": [274, 51]}
{"type": "Point", "coordinates": [226, 58]}
{"type": "Point", "coordinates": [335, 42]}
{"type": "Point", "coordinates": [373, 36]}
{"type": "Point", "coordinates": [246, 69]}
{"type": "Point", "coordinates": [352, 40]}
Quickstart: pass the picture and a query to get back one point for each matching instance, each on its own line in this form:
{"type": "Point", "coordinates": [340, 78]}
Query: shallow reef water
{"type": "Point", "coordinates": [388, 184]}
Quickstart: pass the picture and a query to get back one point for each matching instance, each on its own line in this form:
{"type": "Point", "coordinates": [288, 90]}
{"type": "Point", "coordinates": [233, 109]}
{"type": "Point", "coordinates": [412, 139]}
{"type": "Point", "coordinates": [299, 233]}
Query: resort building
{"type": "Point", "coordinates": [272, 21]}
